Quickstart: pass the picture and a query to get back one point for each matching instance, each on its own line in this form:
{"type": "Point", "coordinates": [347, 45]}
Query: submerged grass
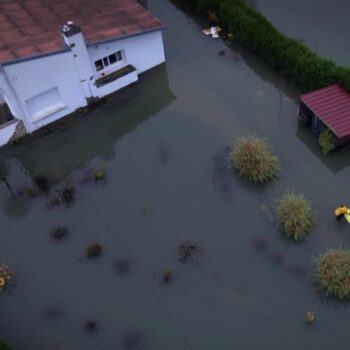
{"type": "Point", "coordinates": [252, 157]}
{"type": "Point", "coordinates": [333, 273]}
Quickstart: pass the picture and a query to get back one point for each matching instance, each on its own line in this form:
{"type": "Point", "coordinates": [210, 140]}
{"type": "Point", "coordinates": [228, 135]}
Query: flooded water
{"type": "Point", "coordinates": [163, 146]}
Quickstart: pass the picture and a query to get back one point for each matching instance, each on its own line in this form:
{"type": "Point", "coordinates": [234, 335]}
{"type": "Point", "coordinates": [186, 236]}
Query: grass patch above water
{"type": "Point", "coordinates": [252, 157]}
{"type": "Point", "coordinates": [333, 273]}
{"type": "Point", "coordinates": [295, 216]}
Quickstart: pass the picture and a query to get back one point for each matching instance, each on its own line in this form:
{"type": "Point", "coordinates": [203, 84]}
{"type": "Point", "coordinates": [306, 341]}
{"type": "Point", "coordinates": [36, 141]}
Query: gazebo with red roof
{"type": "Point", "coordinates": [328, 107]}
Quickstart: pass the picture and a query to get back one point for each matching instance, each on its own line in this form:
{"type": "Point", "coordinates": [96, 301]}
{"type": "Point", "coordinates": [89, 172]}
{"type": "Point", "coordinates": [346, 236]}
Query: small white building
{"type": "Point", "coordinates": [59, 56]}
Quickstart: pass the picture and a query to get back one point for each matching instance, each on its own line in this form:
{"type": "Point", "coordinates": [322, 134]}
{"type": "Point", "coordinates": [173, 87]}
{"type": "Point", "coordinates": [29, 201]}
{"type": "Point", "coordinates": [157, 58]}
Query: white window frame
{"type": "Point", "coordinates": [105, 62]}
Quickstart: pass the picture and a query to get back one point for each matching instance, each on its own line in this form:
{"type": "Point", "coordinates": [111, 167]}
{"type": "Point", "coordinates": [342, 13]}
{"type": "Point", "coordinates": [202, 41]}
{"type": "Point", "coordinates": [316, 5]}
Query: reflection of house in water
{"type": "Point", "coordinates": [335, 162]}
{"type": "Point", "coordinates": [94, 134]}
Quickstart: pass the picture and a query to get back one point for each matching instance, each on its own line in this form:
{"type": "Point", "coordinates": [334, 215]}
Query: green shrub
{"type": "Point", "coordinates": [4, 346]}
{"type": "Point", "coordinates": [295, 216]}
{"type": "Point", "coordinates": [326, 141]}
{"type": "Point", "coordinates": [288, 56]}
{"type": "Point", "coordinates": [252, 157]}
{"type": "Point", "coordinates": [333, 273]}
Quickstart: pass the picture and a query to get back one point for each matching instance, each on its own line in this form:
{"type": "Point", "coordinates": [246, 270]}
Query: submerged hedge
{"type": "Point", "coordinates": [288, 56]}
{"type": "Point", "coordinates": [4, 346]}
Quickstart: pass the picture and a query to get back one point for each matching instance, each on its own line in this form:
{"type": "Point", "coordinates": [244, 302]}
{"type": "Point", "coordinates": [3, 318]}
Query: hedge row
{"type": "Point", "coordinates": [4, 346]}
{"type": "Point", "coordinates": [288, 56]}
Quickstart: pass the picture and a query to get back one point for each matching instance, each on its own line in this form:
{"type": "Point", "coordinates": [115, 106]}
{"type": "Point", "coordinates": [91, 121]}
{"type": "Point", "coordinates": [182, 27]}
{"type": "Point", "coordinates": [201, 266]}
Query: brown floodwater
{"type": "Point", "coordinates": [163, 145]}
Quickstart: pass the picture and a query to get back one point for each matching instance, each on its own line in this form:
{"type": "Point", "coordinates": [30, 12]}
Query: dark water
{"type": "Point", "coordinates": [163, 144]}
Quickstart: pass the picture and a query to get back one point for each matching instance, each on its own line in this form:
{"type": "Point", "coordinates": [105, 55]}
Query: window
{"type": "Point", "coordinates": [112, 58]}
{"type": "Point", "coordinates": [99, 65]}
{"type": "Point", "coordinates": [108, 60]}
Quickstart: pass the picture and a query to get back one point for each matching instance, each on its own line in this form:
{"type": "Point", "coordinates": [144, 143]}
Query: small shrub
{"type": "Point", "coordinates": [60, 232]}
{"type": "Point", "coordinates": [252, 157]}
{"type": "Point", "coordinates": [94, 250]}
{"type": "Point", "coordinates": [188, 251]}
{"type": "Point", "coordinates": [99, 174]}
{"type": "Point", "coordinates": [295, 216]}
{"type": "Point", "coordinates": [167, 275]}
{"type": "Point", "coordinates": [333, 273]}
{"type": "Point", "coordinates": [326, 141]}
{"type": "Point", "coordinates": [7, 279]}
{"type": "Point", "coordinates": [310, 318]}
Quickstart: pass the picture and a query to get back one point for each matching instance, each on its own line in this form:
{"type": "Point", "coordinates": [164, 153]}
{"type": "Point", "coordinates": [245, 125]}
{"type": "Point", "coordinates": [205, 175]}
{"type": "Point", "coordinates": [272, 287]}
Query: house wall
{"type": "Point", "coordinates": [47, 88]}
{"type": "Point", "coordinates": [142, 51]}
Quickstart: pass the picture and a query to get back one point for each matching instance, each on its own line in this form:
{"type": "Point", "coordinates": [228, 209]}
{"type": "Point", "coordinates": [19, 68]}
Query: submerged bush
{"type": "Point", "coordinates": [60, 232]}
{"type": "Point", "coordinates": [68, 194]}
{"type": "Point", "coordinates": [188, 251]}
{"type": "Point", "coordinates": [42, 182]}
{"type": "Point", "coordinates": [252, 157]}
{"type": "Point", "coordinates": [99, 174]}
{"type": "Point", "coordinates": [167, 275]}
{"type": "Point", "coordinates": [93, 250]}
{"type": "Point", "coordinates": [295, 216]}
{"type": "Point", "coordinates": [4, 346]}
{"type": "Point", "coordinates": [122, 266]}
{"type": "Point", "coordinates": [310, 318]}
{"type": "Point", "coordinates": [333, 273]}
{"type": "Point", "coordinates": [326, 141]}
{"type": "Point", "coordinates": [90, 325]}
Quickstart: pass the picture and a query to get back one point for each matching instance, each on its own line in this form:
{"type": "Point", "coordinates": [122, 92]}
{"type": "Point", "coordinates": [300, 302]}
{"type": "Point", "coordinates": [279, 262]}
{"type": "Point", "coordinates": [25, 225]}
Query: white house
{"type": "Point", "coordinates": [59, 56]}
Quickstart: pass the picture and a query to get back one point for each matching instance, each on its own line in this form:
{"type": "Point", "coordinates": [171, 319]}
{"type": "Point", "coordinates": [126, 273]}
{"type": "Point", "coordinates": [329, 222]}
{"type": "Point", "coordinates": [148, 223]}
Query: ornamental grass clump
{"type": "Point", "coordinates": [295, 216]}
{"type": "Point", "coordinates": [252, 157]}
{"type": "Point", "coordinates": [333, 273]}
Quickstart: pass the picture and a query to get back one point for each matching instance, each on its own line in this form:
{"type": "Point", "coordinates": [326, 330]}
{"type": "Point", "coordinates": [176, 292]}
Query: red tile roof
{"type": "Point", "coordinates": [33, 27]}
{"type": "Point", "coordinates": [332, 105]}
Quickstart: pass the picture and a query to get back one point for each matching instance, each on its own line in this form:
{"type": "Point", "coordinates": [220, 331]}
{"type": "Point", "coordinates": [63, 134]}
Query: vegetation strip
{"type": "Point", "coordinates": [288, 56]}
